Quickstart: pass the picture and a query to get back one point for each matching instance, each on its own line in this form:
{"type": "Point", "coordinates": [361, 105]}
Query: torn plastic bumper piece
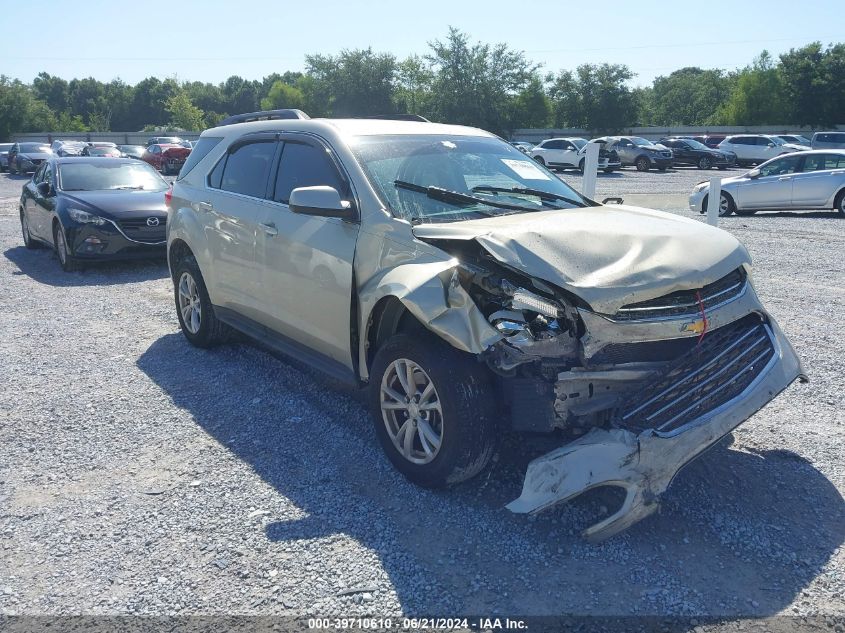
{"type": "Point", "coordinates": [644, 462]}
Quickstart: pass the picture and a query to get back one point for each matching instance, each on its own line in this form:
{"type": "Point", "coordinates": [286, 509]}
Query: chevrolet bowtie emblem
{"type": "Point", "coordinates": [696, 327]}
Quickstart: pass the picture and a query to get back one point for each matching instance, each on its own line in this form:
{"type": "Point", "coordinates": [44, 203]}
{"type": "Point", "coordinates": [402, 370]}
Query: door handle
{"type": "Point", "coordinates": [205, 206]}
{"type": "Point", "coordinates": [270, 229]}
{"type": "Point", "coordinates": [785, 178]}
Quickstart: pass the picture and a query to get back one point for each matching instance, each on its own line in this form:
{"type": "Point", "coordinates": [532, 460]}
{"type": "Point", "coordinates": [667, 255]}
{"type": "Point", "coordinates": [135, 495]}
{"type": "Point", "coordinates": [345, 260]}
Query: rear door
{"type": "Point", "coordinates": [306, 261]}
{"type": "Point", "coordinates": [234, 206]}
{"type": "Point", "coordinates": [818, 181]}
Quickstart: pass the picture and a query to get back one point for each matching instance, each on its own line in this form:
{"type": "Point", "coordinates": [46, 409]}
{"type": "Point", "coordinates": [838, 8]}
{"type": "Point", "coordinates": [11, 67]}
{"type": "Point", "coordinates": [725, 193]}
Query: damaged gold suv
{"type": "Point", "coordinates": [471, 291]}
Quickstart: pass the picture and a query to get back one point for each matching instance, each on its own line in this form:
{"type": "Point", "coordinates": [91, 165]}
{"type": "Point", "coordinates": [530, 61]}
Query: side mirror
{"type": "Point", "coordinates": [754, 173]}
{"type": "Point", "coordinates": [321, 201]}
{"type": "Point", "coordinates": [771, 145]}
{"type": "Point", "coordinates": [44, 189]}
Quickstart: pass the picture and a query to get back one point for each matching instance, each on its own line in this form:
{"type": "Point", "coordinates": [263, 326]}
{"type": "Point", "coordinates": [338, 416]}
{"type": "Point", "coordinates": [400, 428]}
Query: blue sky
{"type": "Point", "coordinates": [210, 40]}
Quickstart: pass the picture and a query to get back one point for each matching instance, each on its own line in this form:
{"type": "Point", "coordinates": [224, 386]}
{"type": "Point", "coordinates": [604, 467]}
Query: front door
{"type": "Point", "coordinates": [306, 261]}
{"type": "Point", "coordinates": [772, 189]}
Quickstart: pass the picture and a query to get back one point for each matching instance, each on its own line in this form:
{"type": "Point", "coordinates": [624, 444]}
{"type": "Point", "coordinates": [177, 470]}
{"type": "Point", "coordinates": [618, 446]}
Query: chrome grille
{"type": "Point", "coordinates": [686, 302]}
{"type": "Point", "coordinates": [715, 372]}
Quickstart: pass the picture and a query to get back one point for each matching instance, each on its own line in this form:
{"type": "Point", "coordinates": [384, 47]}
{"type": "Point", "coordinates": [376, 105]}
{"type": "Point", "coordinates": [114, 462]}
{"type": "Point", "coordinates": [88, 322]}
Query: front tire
{"type": "Point", "coordinates": [434, 410]}
{"type": "Point", "coordinates": [726, 205]}
{"type": "Point", "coordinates": [643, 164]}
{"type": "Point", "coordinates": [66, 260]}
{"type": "Point", "coordinates": [540, 160]}
{"type": "Point", "coordinates": [196, 315]}
{"type": "Point", "coordinates": [704, 163]}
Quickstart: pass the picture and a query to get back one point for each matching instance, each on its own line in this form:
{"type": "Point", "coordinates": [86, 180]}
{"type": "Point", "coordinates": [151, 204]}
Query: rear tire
{"type": "Point", "coordinates": [452, 439]}
{"type": "Point", "coordinates": [839, 205]}
{"type": "Point", "coordinates": [30, 243]}
{"type": "Point", "coordinates": [196, 315]}
{"type": "Point", "coordinates": [643, 164]}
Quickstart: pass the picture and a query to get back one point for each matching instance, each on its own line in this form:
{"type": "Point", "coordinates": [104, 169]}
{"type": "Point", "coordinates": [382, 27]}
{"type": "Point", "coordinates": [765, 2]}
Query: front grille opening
{"type": "Point", "coordinates": [713, 373]}
{"type": "Point", "coordinates": [685, 302]}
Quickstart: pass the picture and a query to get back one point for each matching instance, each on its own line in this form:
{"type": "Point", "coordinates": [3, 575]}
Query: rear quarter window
{"type": "Point", "coordinates": [200, 151]}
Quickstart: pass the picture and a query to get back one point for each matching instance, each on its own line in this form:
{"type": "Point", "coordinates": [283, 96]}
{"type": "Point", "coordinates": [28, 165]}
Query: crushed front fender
{"type": "Point", "coordinates": [643, 462]}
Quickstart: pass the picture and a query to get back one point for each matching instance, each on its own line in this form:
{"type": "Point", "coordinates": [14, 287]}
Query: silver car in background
{"type": "Point", "coordinates": [828, 140]}
{"type": "Point", "coordinates": [804, 180]}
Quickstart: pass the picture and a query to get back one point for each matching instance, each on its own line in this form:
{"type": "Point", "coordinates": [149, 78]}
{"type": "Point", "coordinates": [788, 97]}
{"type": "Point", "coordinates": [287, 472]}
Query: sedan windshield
{"type": "Point", "coordinates": [434, 178]}
{"type": "Point", "coordinates": [579, 143]}
{"type": "Point", "coordinates": [776, 140]}
{"type": "Point", "coordinates": [695, 144]}
{"type": "Point", "coordinates": [35, 147]}
{"type": "Point", "coordinates": [90, 176]}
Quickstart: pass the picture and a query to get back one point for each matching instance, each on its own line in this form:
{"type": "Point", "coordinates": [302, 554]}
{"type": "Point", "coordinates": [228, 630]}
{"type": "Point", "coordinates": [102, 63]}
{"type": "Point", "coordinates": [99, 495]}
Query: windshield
{"type": "Point", "coordinates": [695, 144]}
{"type": "Point", "coordinates": [776, 140]}
{"type": "Point", "coordinates": [579, 143]}
{"type": "Point", "coordinates": [5, 147]}
{"type": "Point", "coordinates": [85, 176]}
{"type": "Point", "coordinates": [641, 142]}
{"type": "Point", "coordinates": [436, 178]}
{"type": "Point", "coordinates": [35, 147]}
{"type": "Point", "coordinates": [103, 151]}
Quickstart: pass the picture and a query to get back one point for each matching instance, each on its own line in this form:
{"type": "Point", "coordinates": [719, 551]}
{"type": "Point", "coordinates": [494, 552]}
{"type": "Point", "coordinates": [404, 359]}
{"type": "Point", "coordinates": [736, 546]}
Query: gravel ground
{"type": "Point", "coordinates": [139, 475]}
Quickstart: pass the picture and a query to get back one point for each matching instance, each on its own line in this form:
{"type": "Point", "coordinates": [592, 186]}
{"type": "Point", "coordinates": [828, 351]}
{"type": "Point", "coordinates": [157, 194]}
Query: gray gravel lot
{"type": "Point", "coordinates": [139, 475]}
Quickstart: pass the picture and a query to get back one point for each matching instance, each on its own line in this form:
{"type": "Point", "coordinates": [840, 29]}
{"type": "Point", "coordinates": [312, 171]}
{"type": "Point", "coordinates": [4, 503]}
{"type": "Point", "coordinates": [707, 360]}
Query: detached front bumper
{"type": "Point", "coordinates": [664, 426]}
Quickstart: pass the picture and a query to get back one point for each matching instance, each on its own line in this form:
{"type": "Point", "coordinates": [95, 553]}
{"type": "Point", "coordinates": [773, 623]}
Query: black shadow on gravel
{"type": "Point", "coordinates": [739, 534]}
{"type": "Point", "coordinates": [42, 266]}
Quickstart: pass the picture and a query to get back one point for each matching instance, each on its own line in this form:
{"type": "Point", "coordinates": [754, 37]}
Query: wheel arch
{"type": "Point", "coordinates": [388, 317]}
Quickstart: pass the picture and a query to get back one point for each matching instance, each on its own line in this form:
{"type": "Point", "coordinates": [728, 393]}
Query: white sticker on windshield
{"type": "Point", "coordinates": [525, 169]}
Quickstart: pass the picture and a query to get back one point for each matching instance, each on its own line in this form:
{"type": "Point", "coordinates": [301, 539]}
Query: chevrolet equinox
{"type": "Point", "coordinates": [472, 292]}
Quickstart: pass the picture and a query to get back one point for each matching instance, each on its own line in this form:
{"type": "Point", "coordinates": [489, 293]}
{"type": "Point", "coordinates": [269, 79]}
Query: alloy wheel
{"type": "Point", "coordinates": [189, 303]}
{"type": "Point", "coordinates": [61, 246]}
{"type": "Point", "coordinates": [411, 411]}
{"type": "Point", "coordinates": [704, 163]}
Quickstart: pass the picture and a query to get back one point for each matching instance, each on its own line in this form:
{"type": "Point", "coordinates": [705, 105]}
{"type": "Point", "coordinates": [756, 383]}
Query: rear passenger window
{"type": "Point", "coordinates": [246, 169]}
{"type": "Point", "coordinates": [304, 165]}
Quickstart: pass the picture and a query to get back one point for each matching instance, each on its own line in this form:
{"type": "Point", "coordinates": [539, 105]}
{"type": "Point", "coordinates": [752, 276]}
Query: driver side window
{"type": "Point", "coordinates": [786, 165]}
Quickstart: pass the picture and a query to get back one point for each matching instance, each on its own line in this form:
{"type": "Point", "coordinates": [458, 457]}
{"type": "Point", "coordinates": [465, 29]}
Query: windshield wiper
{"type": "Point", "coordinates": [456, 197]}
{"type": "Point", "coordinates": [129, 187]}
{"type": "Point", "coordinates": [543, 195]}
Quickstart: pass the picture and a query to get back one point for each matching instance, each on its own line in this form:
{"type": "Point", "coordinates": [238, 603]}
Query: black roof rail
{"type": "Point", "coordinates": [398, 117]}
{"type": "Point", "coordinates": [264, 115]}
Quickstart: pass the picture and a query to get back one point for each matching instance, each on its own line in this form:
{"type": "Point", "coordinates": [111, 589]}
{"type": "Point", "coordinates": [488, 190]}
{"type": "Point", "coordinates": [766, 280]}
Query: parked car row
{"type": "Point", "coordinates": [168, 157]}
{"type": "Point", "coordinates": [703, 151]}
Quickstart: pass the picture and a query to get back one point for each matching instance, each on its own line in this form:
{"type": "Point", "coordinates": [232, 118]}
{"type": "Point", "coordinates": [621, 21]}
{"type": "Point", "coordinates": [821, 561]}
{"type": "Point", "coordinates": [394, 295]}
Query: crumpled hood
{"type": "Point", "coordinates": [609, 256]}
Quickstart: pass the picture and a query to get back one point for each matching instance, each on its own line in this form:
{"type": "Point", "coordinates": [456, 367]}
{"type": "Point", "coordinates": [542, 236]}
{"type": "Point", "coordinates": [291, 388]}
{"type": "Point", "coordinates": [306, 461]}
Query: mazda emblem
{"type": "Point", "coordinates": [152, 221]}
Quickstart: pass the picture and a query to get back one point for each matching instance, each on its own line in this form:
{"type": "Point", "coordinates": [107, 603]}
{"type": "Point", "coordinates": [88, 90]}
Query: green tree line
{"type": "Point", "coordinates": [456, 81]}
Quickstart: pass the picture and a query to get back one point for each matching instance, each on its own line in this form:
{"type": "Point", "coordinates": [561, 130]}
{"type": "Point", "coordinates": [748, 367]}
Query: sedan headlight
{"type": "Point", "coordinates": [83, 217]}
